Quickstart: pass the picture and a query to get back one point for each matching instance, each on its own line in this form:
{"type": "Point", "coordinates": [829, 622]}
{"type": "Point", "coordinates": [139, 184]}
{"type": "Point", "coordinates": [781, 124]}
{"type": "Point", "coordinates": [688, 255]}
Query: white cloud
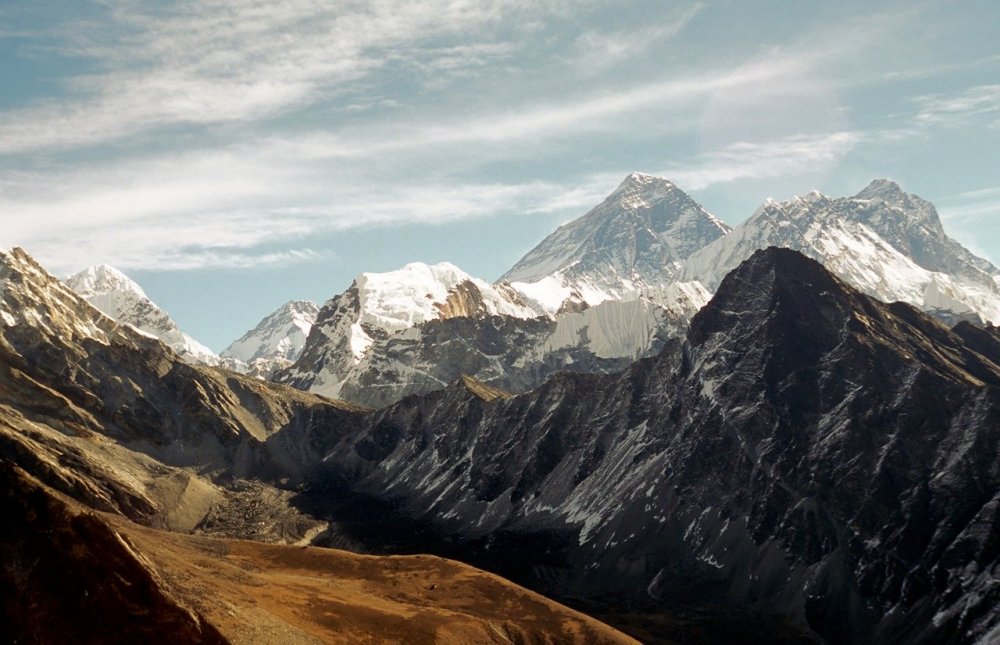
{"type": "Point", "coordinates": [229, 209]}
{"type": "Point", "coordinates": [951, 110]}
{"type": "Point", "coordinates": [746, 160]}
{"type": "Point", "coordinates": [678, 99]}
{"type": "Point", "coordinates": [596, 51]}
{"type": "Point", "coordinates": [238, 60]}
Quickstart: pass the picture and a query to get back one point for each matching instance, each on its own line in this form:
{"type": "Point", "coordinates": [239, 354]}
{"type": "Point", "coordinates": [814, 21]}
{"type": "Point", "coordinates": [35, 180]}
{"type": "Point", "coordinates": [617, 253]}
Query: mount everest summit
{"type": "Point", "coordinates": [636, 239]}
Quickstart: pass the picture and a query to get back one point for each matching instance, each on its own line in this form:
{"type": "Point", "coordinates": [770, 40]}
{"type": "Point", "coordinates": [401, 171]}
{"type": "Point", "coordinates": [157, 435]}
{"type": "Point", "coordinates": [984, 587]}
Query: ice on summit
{"type": "Point", "coordinates": [420, 292]}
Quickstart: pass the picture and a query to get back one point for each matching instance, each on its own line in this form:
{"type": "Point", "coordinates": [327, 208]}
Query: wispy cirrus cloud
{"type": "Point", "coordinates": [957, 109]}
{"type": "Point", "coordinates": [233, 208]}
{"type": "Point", "coordinates": [597, 50]}
{"type": "Point", "coordinates": [255, 67]}
{"type": "Point", "coordinates": [213, 206]}
{"type": "Point", "coordinates": [755, 160]}
{"type": "Point", "coordinates": [239, 60]}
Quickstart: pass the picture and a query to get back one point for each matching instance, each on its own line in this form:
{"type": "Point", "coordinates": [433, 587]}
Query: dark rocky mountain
{"type": "Point", "coordinates": [807, 451]}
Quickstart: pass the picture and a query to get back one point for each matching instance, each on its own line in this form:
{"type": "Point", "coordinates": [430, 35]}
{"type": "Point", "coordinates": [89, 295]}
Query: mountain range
{"type": "Point", "coordinates": [615, 284]}
{"type": "Point", "coordinates": [132, 480]}
{"type": "Point", "coordinates": [675, 426]}
{"type": "Point", "coordinates": [595, 295]}
{"type": "Point", "coordinates": [804, 461]}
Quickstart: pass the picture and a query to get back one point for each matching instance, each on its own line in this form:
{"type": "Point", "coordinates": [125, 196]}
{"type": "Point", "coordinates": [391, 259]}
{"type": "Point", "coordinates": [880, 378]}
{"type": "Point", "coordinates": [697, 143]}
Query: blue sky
{"type": "Point", "coordinates": [231, 155]}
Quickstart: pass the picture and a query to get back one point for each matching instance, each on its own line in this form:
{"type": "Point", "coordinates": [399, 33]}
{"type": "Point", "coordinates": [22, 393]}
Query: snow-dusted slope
{"type": "Point", "coordinates": [594, 295]}
{"type": "Point", "coordinates": [883, 241]}
{"type": "Point", "coordinates": [420, 292]}
{"type": "Point", "coordinates": [119, 297]}
{"type": "Point", "coordinates": [397, 300]}
{"type": "Point", "coordinates": [281, 334]}
{"type": "Point", "coordinates": [637, 238]}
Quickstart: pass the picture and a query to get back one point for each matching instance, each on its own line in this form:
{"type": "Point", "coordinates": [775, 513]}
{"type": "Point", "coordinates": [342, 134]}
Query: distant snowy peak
{"type": "Point", "coordinates": [121, 298]}
{"type": "Point", "coordinates": [378, 306]}
{"type": "Point", "coordinates": [637, 238]}
{"type": "Point", "coordinates": [281, 334]}
{"type": "Point", "coordinates": [101, 281]}
{"type": "Point", "coordinates": [886, 242]}
{"type": "Point", "coordinates": [380, 303]}
{"type": "Point", "coordinates": [913, 226]}
{"type": "Point", "coordinates": [419, 292]}
{"type": "Point", "coordinates": [890, 193]}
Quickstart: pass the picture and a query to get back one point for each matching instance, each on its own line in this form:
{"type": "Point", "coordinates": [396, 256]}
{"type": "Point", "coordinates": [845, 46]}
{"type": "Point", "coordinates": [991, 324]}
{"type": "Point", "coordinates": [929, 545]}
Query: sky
{"type": "Point", "coordinates": [231, 155]}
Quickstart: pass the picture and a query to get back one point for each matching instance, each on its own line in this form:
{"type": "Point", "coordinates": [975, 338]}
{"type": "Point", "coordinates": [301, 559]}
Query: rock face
{"type": "Point", "coordinates": [807, 450]}
{"type": "Point", "coordinates": [146, 434]}
{"type": "Point", "coordinates": [883, 241]}
{"type": "Point", "coordinates": [119, 297]}
{"type": "Point", "coordinates": [637, 238]}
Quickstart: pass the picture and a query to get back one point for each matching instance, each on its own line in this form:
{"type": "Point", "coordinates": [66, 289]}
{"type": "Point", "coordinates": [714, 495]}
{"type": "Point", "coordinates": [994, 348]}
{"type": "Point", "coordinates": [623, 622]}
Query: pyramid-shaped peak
{"type": "Point", "coordinates": [639, 191]}
{"type": "Point", "coordinates": [770, 280]}
{"type": "Point", "coordinates": [884, 189]}
{"type": "Point", "coordinates": [643, 181]}
{"type": "Point", "coordinates": [102, 279]}
{"type": "Point", "coordinates": [299, 306]}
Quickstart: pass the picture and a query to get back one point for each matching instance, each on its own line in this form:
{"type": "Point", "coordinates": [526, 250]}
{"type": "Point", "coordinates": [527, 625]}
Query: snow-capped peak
{"type": "Point", "coordinates": [419, 292]}
{"type": "Point", "coordinates": [102, 279]}
{"type": "Point", "coordinates": [884, 189]}
{"type": "Point", "coordinates": [639, 190]}
{"type": "Point", "coordinates": [121, 298]}
{"type": "Point", "coordinates": [637, 238]}
{"type": "Point", "coordinates": [281, 334]}
{"type": "Point", "coordinates": [883, 241]}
